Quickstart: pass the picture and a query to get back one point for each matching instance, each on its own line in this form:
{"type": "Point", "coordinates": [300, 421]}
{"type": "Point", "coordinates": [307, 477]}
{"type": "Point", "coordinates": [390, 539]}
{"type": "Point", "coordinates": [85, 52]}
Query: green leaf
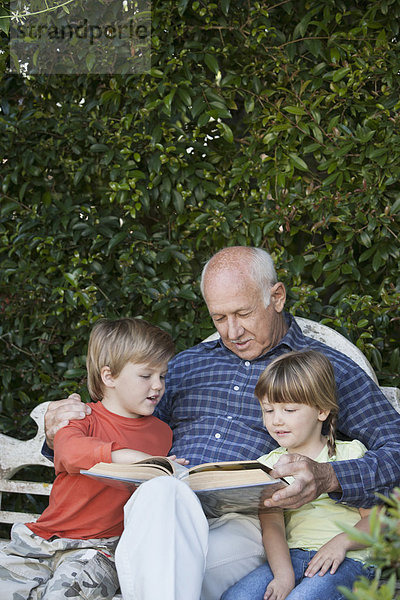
{"type": "Point", "coordinates": [168, 99]}
{"type": "Point", "coordinates": [4, 20]}
{"type": "Point", "coordinates": [71, 278]}
{"type": "Point", "coordinates": [298, 162]}
{"type": "Point", "coordinates": [99, 148]}
{"type": "Point", "coordinates": [185, 96]}
{"type": "Point", "coordinates": [295, 110]}
{"type": "Point", "coordinates": [317, 270]}
{"type": "Point", "coordinates": [332, 277]}
{"type": "Point", "coordinates": [225, 6]}
{"type": "Point", "coordinates": [116, 240]}
{"type": "Point", "coordinates": [211, 63]}
{"type": "Point", "coordinates": [178, 201]}
{"type": "Point", "coordinates": [330, 179]}
{"type": "Point", "coordinates": [90, 59]}
{"type": "Point", "coordinates": [227, 133]}
{"type": "Point", "coordinates": [339, 74]}
{"type": "Point", "coordinates": [395, 208]}
{"type": "Point", "coordinates": [182, 5]}
{"type": "Point", "coordinates": [297, 265]}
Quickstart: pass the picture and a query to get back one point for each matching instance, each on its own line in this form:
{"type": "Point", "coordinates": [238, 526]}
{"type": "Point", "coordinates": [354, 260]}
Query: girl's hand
{"type": "Point", "coordinates": [328, 557]}
{"type": "Point", "coordinates": [278, 589]}
{"type": "Point", "coordinates": [180, 461]}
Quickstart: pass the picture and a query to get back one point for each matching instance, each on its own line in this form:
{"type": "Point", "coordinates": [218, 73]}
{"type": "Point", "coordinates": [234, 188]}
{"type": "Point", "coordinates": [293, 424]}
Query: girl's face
{"type": "Point", "coordinates": [296, 427]}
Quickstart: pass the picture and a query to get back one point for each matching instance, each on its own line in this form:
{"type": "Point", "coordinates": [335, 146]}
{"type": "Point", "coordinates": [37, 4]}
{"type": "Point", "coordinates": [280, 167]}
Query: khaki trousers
{"type": "Point", "coordinates": [36, 569]}
{"type": "Point", "coordinates": [169, 550]}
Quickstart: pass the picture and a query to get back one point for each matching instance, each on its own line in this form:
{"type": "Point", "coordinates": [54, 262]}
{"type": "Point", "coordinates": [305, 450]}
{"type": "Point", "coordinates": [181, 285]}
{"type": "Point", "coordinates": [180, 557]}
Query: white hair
{"type": "Point", "coordinates": [262, 271]}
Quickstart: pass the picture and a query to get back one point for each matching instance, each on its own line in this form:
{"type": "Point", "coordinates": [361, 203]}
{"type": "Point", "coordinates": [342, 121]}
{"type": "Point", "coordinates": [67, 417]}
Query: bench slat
{"type": "Point", "coordinates": [25, 487]}
{"type": "Point", "coordinates": [7, 516]}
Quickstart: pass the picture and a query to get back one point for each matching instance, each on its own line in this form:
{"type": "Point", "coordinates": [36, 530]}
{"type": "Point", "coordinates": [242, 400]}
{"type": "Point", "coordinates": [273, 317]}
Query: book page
{"type": "Point", "coordinates": [158, 465]}
{"type": "Point", "coordinates": [222, 479]}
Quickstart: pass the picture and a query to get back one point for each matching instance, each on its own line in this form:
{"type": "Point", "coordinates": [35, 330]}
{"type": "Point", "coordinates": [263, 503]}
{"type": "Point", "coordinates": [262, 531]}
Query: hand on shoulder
{"type": "Point", "coordinates": [60, 412]}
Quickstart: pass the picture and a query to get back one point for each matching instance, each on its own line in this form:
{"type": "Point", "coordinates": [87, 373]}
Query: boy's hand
{"type": "Point", "coordinates": [278, 589]}
{"type": "Point", "coordinates": [328, 557]}
{"type": "Point", "coordinates": [60, 412]}
{"type": "Point", "coordinates": [180, 461]}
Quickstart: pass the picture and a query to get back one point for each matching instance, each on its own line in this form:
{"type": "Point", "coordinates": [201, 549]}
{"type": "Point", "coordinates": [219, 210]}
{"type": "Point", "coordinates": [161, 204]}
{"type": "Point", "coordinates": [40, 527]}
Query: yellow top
{"type": "Point", "coordinates": [312, 525]}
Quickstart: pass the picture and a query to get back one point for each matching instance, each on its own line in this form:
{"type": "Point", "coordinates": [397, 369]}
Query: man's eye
{"type": "Point", "coordinates": [145, 376]}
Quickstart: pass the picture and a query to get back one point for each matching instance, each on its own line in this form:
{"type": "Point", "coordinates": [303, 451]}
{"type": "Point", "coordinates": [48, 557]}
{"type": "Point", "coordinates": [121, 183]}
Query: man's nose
{"type": "Point", "coordinates": [235, 329]}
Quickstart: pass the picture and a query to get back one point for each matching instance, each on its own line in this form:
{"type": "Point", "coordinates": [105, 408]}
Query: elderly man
{"type": "Point", "coordinates": [210, 405]}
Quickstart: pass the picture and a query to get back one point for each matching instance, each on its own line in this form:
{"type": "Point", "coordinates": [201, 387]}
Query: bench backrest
{"type": "Point", "coordinates": [14, 456]}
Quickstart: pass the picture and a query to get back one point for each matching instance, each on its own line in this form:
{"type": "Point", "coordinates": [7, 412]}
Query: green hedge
{"type": "Point", "coordinates": [260, 124]}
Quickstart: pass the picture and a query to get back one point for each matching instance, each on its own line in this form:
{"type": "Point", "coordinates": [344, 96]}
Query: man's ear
{"type": "Point", "coordinates": [278, 296]}
{"type": "Point", "coordinates": [107, 377]}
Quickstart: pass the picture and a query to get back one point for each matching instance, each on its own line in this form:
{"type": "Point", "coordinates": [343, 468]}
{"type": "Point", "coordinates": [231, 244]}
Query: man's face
{"type": "Point", "coordinates": [236, 306]}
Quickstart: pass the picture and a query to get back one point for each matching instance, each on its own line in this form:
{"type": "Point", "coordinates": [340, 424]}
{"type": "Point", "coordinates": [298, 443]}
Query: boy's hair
{"type": "Point", "coordinates": [114, 343]}
{"type": "Point", "coordinates": [302, 377]}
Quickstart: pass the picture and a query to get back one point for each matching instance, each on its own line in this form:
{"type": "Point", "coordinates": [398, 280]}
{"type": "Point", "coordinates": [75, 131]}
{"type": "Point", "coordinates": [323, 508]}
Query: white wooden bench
{"type": "Point", "coordinates": [17, 454]}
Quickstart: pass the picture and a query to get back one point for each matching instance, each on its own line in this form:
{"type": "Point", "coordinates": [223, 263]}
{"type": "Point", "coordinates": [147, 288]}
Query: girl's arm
{"type": "Point", "coordinates": [278, 557]}
{"type": "Point", "coordinates": [333, 553]}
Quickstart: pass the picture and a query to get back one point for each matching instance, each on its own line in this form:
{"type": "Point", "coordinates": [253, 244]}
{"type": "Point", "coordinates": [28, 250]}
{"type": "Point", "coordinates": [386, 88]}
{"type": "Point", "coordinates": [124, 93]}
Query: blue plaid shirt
{"type": "Point", "coordinates": [210, 405]}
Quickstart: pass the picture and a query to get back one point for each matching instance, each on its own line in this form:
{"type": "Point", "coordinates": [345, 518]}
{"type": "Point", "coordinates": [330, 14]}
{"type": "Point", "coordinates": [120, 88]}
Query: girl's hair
{"type": "Point", "coordinates": [302, 377]}
{"type": "Point", "coordinates": [114, 343]}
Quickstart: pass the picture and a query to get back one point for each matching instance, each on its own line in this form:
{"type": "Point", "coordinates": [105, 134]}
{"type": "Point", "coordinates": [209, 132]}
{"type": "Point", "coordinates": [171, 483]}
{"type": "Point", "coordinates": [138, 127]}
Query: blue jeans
{"type": "Point", "coordinates": [252, 587]}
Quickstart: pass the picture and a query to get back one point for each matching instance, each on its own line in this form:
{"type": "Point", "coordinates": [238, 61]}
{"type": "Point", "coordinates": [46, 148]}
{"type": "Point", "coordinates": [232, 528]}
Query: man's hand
{"type": "Point", "coordinates": [311, 479]}
{"type": "Point", "coordinates": [60, 412]}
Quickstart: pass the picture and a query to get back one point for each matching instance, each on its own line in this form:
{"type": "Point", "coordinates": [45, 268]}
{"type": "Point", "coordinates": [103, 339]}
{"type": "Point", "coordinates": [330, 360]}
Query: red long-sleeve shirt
{"type": "Point", "coordinates": [81, 507]}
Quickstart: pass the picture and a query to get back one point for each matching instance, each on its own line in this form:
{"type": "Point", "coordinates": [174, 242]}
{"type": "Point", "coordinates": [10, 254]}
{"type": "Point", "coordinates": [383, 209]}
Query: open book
{"type": "Point", "coordinates": [222, 487]}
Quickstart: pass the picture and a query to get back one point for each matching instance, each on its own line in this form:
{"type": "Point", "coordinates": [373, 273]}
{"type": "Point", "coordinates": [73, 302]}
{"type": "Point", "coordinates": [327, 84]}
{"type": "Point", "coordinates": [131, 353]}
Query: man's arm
{"type": "Point", "coordinates": [60, 412]}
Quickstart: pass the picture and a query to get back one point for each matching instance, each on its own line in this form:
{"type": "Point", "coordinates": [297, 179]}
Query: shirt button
{"type": "Point", "coordinates": [236, 387]}
{"type": "Point", "coordinates": [247, 363]}
{"type": "Point", "coordinates": [229, 417]}
{"type": "Point", "coordinates": [217, 435]}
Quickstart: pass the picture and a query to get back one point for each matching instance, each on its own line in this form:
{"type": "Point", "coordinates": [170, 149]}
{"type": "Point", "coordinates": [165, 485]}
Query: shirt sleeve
{"type": "Point", "coordinates": [163, 408]}
{"type": "Point", "coordinates": [47, 452]}
{"type": "Point", "coordinates": [75, 450]}
{"type": "Point", "coordinates": [365, 414]}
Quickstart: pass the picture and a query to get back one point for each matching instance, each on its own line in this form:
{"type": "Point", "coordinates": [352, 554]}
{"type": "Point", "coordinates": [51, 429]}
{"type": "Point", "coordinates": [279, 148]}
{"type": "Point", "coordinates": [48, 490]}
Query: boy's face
{"type": "Point", "coordinates": [136, 391]}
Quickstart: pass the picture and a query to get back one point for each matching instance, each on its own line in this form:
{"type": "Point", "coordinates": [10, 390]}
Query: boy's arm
{"type": "Point", "coordinates": [74, 449]}
{"type": "Point", "coordinates": [333, 553]}
{"type": "Point", "coordinates": [278, 556]}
